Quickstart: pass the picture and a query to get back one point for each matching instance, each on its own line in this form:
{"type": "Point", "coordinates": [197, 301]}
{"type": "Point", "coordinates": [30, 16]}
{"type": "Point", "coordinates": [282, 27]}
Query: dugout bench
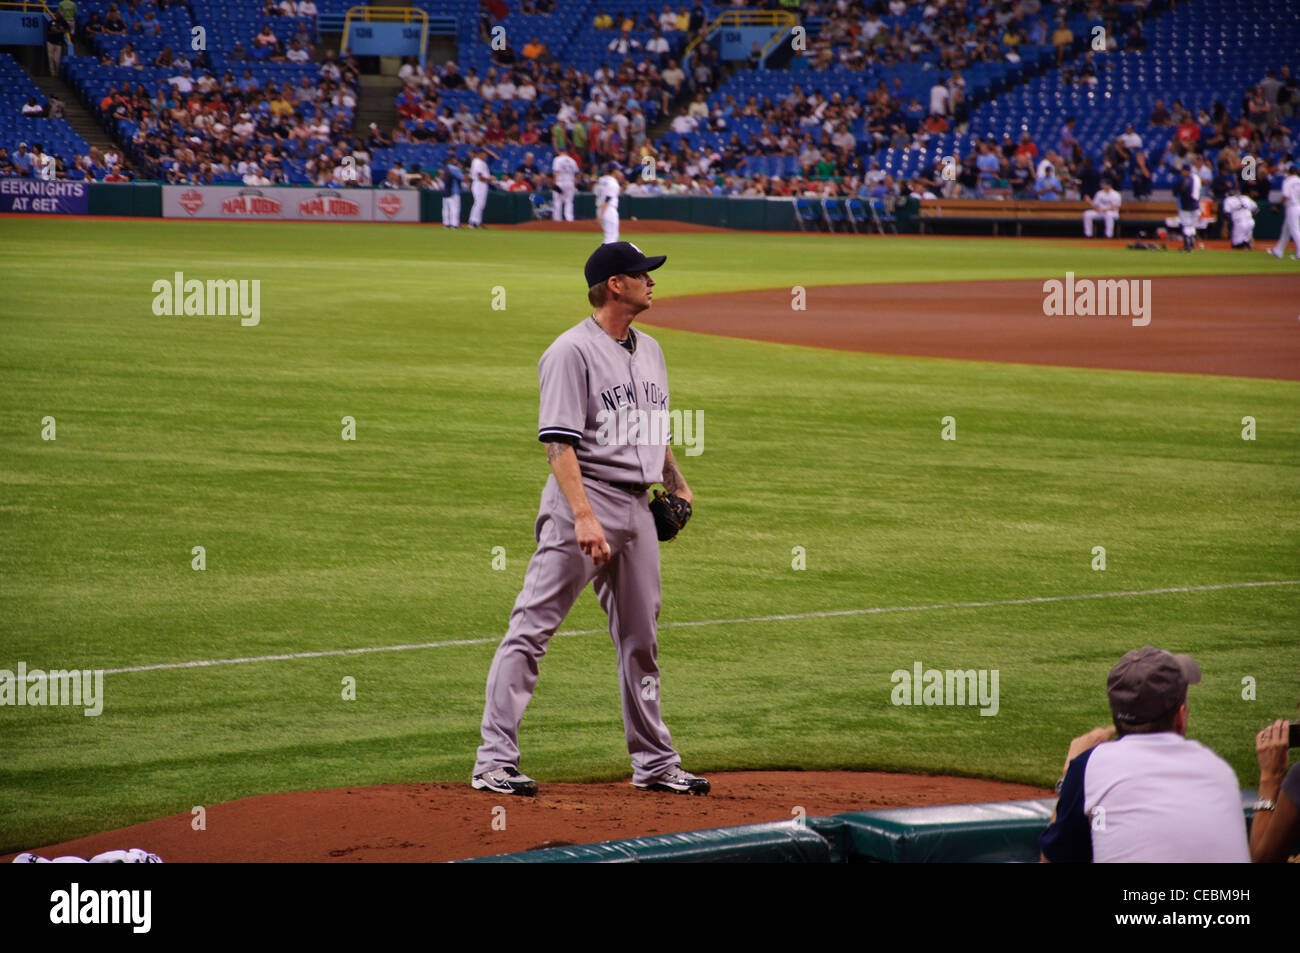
{"type": "Point", "coordinates": [1017, 213]}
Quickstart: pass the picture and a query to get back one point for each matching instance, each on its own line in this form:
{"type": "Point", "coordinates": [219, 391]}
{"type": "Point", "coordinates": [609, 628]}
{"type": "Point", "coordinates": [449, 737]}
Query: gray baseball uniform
{"type": "Point", "coordinates": [601, 394]}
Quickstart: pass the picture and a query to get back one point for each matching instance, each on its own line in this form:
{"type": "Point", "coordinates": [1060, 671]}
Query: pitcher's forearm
{"type": "Point", "coordinates": [564, 464]}
{"type": "Point", "coordinates": [673, 480]}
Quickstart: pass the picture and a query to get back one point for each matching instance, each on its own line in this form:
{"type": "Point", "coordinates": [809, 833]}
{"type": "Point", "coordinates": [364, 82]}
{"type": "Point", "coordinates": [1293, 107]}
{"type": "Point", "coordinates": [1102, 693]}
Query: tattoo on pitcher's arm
{"type": "Point", "coordinates": [555, 449]}
{"type": "Point", "coordinates": [673, 480]}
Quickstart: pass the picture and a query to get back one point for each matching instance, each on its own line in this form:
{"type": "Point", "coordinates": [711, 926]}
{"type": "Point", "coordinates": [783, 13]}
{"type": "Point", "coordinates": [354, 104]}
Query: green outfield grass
{"type": "Point", "coordinates": [175, 432]}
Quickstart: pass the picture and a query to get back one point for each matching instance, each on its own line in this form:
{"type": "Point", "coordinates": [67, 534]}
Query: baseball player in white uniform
{"type": "Point", "coordinates": [1291, 213]}
{"type": "Point", "coordinates": [594, 525]}
{"type": "Point", "coordinates": [452, 176]}
{"type": "Point", "coordinates": [1241, 210]}
{"type": "Point", "coordinates": [1105, 205]}
{"type": "Point", "coordinates": [479, 176]}
{"type": "Point", "coordinates": [565, 171]}
{"type": "Point", "coordinates": [607, 190]}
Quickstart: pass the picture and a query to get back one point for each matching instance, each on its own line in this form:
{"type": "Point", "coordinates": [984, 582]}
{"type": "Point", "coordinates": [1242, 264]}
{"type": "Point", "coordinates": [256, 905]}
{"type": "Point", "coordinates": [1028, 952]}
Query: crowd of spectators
{"type": "Point", "coordinates": [604, 113]}
{"type": "Point", "coordinates": [33, 162]}
{"type": "Point", "coordinates": [1217, 145]}
{"type": "Point", "coordinates": [204, 129]}
{"type": "Point", "coordinates": [201, 127]}
{"type": "Point", "coordinates": [858, 34]}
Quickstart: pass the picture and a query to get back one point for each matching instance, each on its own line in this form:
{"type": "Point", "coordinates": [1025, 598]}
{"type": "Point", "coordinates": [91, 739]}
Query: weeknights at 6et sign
{"type": "Point", "coordinates": [55, 198]}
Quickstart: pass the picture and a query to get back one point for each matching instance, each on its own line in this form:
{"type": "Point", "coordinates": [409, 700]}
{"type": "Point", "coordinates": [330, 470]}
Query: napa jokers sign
{"type": "Point", "coordinates": [286, 203]}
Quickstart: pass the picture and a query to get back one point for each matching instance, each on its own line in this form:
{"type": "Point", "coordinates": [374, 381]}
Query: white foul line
{"type": "Point", "coordinates": [203, 663]}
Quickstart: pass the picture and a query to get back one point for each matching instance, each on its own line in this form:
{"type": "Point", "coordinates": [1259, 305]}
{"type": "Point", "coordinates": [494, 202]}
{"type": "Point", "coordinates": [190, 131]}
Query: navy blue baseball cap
{"type": "Point", "coordinates": [619, 258]}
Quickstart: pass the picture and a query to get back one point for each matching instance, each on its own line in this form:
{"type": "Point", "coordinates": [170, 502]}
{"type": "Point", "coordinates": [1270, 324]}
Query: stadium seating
{"type": "Point", "coordinates": [1201, 52]}
{"type": "Point", "coordinates": [55, 135]}
{"type": "Point", "coordinates": [1198, 52]}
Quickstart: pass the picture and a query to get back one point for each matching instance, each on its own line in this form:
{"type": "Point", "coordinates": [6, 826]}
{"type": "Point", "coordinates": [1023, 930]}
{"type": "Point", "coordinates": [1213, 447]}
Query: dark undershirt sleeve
{"type": "Point", "coordinates": [1068, 840]}
{"type": "Point", "coordinates": [1291, 784]}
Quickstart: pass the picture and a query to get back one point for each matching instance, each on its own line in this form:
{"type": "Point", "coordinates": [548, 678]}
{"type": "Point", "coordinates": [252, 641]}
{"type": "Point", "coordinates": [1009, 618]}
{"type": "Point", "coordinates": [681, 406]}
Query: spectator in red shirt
{"type": "Point", "coordinates": [1188, 131]}
{"type": "Point", "coordinates": [936, 125]}
{"type": "Point", "coordinates": [408, 104]}
{"type": "Point", "coordinates": [1026, 147]}
{"type": "Point", "coordinates": [494, 135]}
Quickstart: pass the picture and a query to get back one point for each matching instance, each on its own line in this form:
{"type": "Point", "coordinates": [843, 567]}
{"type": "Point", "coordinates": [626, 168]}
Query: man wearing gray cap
{"type": "Point", "coordinates": [1152, 795]}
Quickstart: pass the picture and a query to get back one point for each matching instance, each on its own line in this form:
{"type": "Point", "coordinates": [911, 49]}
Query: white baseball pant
{"type": "Point", "coordinates": [451, 210]}
{"type": "Point", "coordinates": [564, 203]}
{"type": "Point", "coordinates": [479, 190]}
{"type": "Point", "coordinates": [1290, 230]}
{"type": "Point", "coordinates": [1243, 229]}
{"type": "Point", "coordinates": [609, 223]}
{"type": "Point", "coordinates": [1091, 215]}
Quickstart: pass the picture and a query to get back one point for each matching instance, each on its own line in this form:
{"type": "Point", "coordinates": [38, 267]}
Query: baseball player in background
{"type": "Point", "coordinates": [452, 178]}
{"type": "Point", "coordinates": [1105, 205]}
{"type": "Point", "coordinates": [1291, 215]}
{"type": "Point", "coordinates": [1187, 190]}
{"type": "Point", "coordinates": [594, 525]}
{"type": "Point", "coordinates": [479, 176]}
{"type": "Point", "coordinates": [565, 171]}
{"type": "Point", "coordinates": [1241, 210]}
{"type": "Point", "coordinates": [607, 190]}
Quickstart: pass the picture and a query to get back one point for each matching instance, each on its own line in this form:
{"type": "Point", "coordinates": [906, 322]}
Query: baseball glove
{"type": "Point", "coordinates": [670, 512]}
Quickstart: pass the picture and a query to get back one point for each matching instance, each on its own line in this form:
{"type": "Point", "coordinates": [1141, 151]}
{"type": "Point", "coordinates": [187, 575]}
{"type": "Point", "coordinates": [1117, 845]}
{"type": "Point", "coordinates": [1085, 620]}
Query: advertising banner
{"type": "Point", "coordinates": [251, 203]}
{"type": "Point", "coordinates": [55, 198]}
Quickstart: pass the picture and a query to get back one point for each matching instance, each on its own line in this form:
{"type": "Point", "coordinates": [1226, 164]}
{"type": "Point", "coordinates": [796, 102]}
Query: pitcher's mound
{"type": "Point", "coordinates": [437, 822]}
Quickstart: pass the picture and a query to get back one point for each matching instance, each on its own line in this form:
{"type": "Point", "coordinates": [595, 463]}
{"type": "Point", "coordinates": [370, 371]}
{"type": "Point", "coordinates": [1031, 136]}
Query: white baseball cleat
{"type": "Point", "coordinates": [505, 780]}
{"type": "Point", "coordinates": [677, 781]}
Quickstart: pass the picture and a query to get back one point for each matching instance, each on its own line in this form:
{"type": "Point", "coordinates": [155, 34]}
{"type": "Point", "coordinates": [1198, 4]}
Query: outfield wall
{"type": "Point", "coordinates": [304, 203]}
{"type": "Point", "coordinates": [307, 203]}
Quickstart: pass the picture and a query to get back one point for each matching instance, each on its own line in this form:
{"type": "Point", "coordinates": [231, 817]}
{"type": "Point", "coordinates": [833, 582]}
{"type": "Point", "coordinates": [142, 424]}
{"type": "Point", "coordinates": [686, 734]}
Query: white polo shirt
{"type": "Point", "coordinates": [1153, 798]}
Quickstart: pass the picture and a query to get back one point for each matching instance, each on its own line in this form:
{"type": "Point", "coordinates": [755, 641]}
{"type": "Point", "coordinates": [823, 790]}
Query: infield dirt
{"type": "Point", "coordinates": [438, 822]}
{"type": "Point", "coordinates": [1241, 326]}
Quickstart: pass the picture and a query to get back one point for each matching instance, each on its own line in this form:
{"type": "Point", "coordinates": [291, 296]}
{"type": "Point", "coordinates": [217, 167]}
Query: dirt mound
{"type": "Point", "coordinates": [437, 822]}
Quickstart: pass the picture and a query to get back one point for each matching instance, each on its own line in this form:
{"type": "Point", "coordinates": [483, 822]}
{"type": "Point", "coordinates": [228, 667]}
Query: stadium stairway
{"type": "Point", "coordinates": [75, 113]}
{"type": "Point", "coordinates": [377, 103]}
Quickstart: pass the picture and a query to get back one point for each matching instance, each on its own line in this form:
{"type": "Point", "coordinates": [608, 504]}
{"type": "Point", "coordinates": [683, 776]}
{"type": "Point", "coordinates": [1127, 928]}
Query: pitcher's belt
{"type": "Point", "coordinates": [634, 488]}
